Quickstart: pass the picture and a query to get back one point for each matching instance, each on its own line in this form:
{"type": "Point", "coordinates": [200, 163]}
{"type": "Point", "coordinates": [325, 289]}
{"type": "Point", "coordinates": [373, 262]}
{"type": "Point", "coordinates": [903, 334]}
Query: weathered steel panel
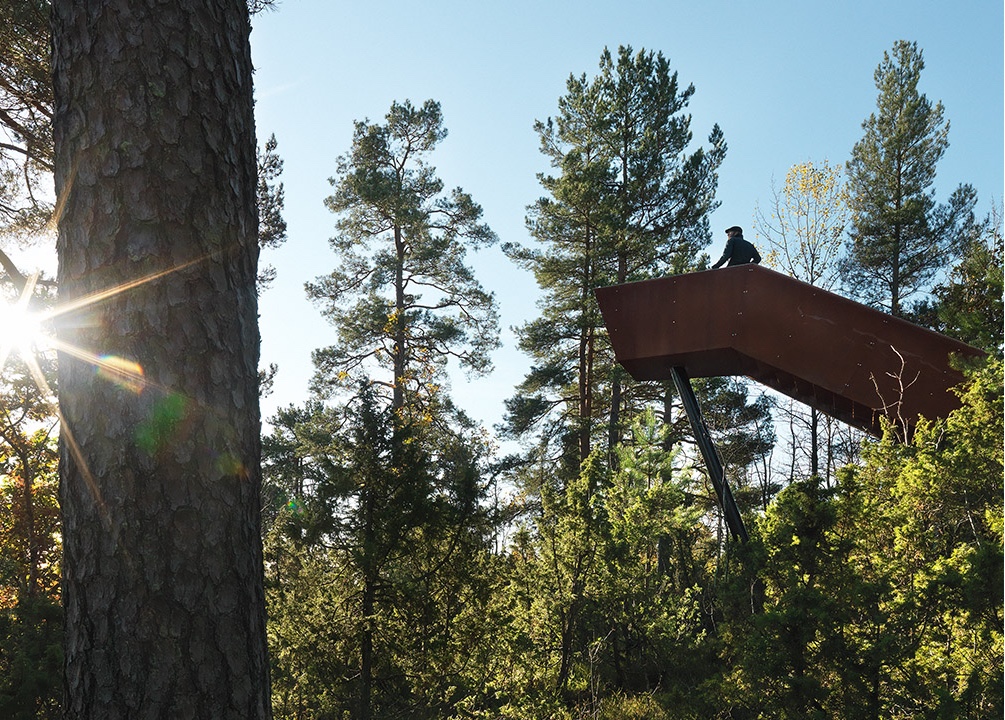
{"type": "Point", "coordinates": [839, 356]}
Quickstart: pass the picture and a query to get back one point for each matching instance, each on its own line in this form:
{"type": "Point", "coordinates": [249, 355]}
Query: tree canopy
{"type": "Point", "coordinates": [408, 568]}
{"type": "Point", "coordinates": [900, 237]}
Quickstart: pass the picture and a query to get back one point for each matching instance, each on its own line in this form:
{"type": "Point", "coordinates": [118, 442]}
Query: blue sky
{"type": "Point", "coordinates": [787, 82]}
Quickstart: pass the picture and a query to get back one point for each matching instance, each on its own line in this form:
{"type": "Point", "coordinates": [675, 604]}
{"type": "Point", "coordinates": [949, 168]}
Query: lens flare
{"type": "Point", "coordinates": [21, 330]}
{"type": "Point", "coordinates": [22, 327]}
{"type": "Point", "coordinates": [127, 374]}
{"type": "Point", "coordinates": [26, 333]}
{"type": "Point", "coordinates": [166, 415]}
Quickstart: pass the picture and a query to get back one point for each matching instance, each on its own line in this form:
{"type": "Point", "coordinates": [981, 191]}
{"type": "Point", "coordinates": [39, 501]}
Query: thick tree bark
{"type": "Point", "coordinates": [160, 448]}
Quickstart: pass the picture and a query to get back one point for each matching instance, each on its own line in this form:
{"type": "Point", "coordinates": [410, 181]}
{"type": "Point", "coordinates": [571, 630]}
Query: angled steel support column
{"type": "Point", "coordinates": [733, 520]}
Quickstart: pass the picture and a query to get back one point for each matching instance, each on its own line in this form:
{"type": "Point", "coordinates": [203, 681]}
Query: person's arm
{"type": "Point", "coordinates": [725, 254]}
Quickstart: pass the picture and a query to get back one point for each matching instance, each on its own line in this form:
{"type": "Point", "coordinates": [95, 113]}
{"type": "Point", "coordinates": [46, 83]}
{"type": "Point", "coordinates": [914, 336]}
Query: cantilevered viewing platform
{"type": "Point", "coordinates": [841, 357]}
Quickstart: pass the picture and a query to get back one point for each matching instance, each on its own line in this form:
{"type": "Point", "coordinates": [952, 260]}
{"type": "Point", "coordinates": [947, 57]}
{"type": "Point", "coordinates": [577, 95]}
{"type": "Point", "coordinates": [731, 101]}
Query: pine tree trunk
{"type": "Point", "coordinates": [160, 446]}
{"type": "Point", "coordinates": [587, 354]}
{"type": "Point", "coordinates": [614, 426]}
{"type": "Point", "coordinates": [34, 549]}
{"type": "Point", "coordinates": [368, 605]}
{"type": "Point", "coordinates": [400, 359]}
{"type": "Point", "coordinates": [814, 444]}
{"type": "Point", "coordinates": [586, 346]}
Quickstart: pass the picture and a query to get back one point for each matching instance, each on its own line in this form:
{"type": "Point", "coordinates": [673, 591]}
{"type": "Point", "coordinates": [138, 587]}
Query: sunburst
{"type": "Point", "coordinates": [26, 333]}
{"type": "Point", "coordinates": [21, 329]}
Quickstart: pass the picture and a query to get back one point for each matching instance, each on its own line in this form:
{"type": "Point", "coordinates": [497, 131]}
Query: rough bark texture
{"type": "Point", "coordinates": [156, 173]}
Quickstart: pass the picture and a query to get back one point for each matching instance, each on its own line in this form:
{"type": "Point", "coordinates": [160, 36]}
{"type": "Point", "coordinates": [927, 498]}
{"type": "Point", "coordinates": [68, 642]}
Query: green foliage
{"type": "Point", "coordinates": [271, 198]}
{"type": "Point", "coordinates": [26, 117]}
{"type": "Point", "coordinates": [652, 581]}
{"type": "Point", "coordinates": [402, 298]}
{"type": "Point", "coordinates": [387, 489]}
{"type": "Point", "coordinates": [882, 597]}
{"type": "Point", "coordinates": [30, 617]}
{"type": "Point", "coordinates": [628, 202]}
{"type": "Point", "coordinates": [900, 239]}
{"type": "Point", "coordinates": [968, 305]}
{"type": "Point", "coordinates": [634, 707]}
{"type": "Point", "coordinates": [377, 563]}
{"type": "Point", "coordinates": [31, 659]}
{"type": "Point", "coordinates": [786, 648]}
{"type": "Point", "coordinates": [602, 590]}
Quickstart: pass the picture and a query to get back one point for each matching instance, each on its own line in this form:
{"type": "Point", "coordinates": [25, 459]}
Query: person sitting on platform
{"type": "Point", "coordinates": [738, 251]}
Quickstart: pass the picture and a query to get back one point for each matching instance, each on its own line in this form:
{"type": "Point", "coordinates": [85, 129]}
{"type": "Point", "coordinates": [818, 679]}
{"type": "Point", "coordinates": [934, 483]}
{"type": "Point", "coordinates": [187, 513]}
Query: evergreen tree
{"type": "Point", "coordinates": [25, 117]}
{"type": "Point", "coordinates": [968, 304]}
{"type": "Point", "coordinates": [160, 448]}
{"type": "Point", "coordinates": [398, 494]}
{"type": "Point", "coordinates": [376, 543]}
{"type": "Point", "coordinates": [900, 238]}
{"type": "Point", "coordinates": [311, 587]}
{"type": "Point", "coordinates": [882, 595]}
{"type": "Point", "coordinates": [271, 202]}
{"type": "Point", "coordinates": [787, 649]}
{"type": "Point", "coordinates": [31, 623]}
{"type": "Point", "coordinates": [402, 298]}
{"type": "Point", "coordinates": [923, 625]}
{"type": "Point", "coordinates": [661, 195]}
{"type": "Point", "coordinates": [651, 599]}
{"type": "Point", "coordinates": [630, 202]}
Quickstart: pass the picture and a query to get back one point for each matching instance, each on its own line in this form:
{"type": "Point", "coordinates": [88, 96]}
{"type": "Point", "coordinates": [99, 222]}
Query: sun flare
{"type": "Point", "coordinates": [21, 329]}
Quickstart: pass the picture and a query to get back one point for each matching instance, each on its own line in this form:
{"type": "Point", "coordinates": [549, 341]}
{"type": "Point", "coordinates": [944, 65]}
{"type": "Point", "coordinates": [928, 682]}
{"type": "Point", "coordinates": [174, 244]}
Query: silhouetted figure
{"type": "Point", "coordinates": [738, 251]}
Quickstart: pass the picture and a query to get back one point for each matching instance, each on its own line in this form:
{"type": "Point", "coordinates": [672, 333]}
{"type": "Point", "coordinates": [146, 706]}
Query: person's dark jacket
{"type": "Point", "coordinates": [738, 252]}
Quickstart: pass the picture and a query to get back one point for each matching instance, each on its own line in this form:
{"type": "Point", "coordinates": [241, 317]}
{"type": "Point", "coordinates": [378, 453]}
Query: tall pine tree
{"type": "Point", "coordinates": [400, 493]}
{"type": "Point", "coordinates": [402, 299]}
{"type": "Point", "coordinates": [900, 237]}
{"type": "Point", "coordinates": [630, 201]}
{"type": "Point", "coordinates": [160, 430]}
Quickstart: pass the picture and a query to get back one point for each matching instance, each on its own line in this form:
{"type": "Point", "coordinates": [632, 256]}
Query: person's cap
{"type": "Point", "coordinates": [734, 229]}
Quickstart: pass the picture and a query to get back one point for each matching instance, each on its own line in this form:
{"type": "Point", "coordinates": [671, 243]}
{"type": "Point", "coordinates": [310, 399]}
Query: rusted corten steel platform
{"type": "Point", "coordinates": [836, 355]}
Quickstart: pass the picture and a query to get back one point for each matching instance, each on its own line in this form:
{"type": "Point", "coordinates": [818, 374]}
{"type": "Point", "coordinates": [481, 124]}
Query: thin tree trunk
{"type": "Point", "coordinates": [585, 393]}
{"type": "Point", "coordinates": [160, 445]}
{"type": "Point", "coordinates": [368, 605]}
{"type": "Point", "coordinates": [399, 360]}
{"type": "Point", "coordinates": [586, 356]}
{"type": "Point", "coordinates": [897, 246]}
{"type": "Point", "coordinates": [614, 428]}
{"type": "Point", "coordinates": [663, 543]}
{"type": "Point", "coordinates": [34, 554]}
{"type": "Point", "coordinates": [814, 444]}
{"type": "Point", "coordinates": [565, 662]}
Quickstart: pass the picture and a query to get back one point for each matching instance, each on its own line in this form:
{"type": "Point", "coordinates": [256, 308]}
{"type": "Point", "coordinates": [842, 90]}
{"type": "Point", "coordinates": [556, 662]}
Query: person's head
{"type": "Point", "coordinates": [734, 231]}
